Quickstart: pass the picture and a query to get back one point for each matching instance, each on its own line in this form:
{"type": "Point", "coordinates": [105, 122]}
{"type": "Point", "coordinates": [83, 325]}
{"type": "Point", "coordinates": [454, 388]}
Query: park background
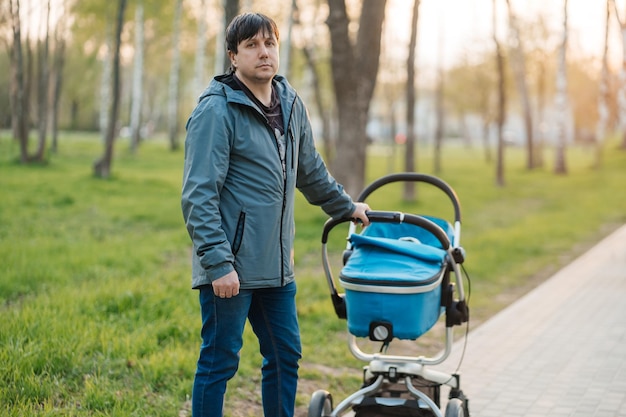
{"type": "Point", "coordinates": [98, 316]}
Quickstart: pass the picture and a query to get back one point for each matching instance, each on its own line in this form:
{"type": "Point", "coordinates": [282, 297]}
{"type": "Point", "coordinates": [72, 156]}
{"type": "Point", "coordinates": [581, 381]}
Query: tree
{"type": "Point", "coordinates": [309, 31]}
{"type": "Point", "coordinates": [440, 115]}
{"type": "Point", "coordinates": [19, 91]}
{"type": "Point", "coordinates": [329, 143]}
{"type": "Point", "coordinates": [519, 70]}
{"type": "Point", "coordinates": [621, 97]}
{"type": "Point", "coordinates": [501, 103]}
{"type": "Point", "coordinates": [411, 140]}
{"type": "Point", "coordinates": [285, 54]}
{"type": "Point", "coordinates": [102, 167]}
{"type": "Point", "coordinates": [222, 61]}
{"type": "Point", "coordinates": [539, 55]}
{"type": "Point", "coordinates": [603, 99]}
{"type": "Point", "coordinates": [105, 83]}
{"type": "Point", "coordinates": [137, 85]}
{"type": "Point", "coordinates": [57, 77]}
{"type": "Point", "coordinates": [201, 40]}
{"type": "Point", "coordinates": [354, 71]}
{"type": "Point", "coordinates": [173, 96]}
{"type": "Point", "coordinates": [562, 101]}
{"type": "Point", "coordinates": [43, 75]}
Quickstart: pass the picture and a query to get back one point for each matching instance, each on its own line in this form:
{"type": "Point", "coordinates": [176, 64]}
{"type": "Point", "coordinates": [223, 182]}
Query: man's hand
{"type": "Point", "coordinates": [226, 286]}
{"type": "Point", "coordinates": [359, 213]}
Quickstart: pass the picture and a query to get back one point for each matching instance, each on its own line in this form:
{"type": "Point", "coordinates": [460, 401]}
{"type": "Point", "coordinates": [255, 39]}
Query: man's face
{"type": "Point", "coordinates": [256, 60]}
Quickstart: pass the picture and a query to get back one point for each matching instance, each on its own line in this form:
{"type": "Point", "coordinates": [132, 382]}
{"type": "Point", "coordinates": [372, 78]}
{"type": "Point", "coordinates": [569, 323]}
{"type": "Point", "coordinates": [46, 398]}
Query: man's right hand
{"type": "Point", "coordinates": [226, 286]}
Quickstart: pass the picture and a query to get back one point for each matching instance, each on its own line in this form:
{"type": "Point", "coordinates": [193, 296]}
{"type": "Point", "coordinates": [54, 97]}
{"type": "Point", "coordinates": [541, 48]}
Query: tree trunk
{"type": "Point", "coordinates": [354, 68]}
{"type": "Point", "coordinates": [137, 88]}
{"type": "Point", "coordinates": [102, 167]}
{"type": "Point", "coordinates": [172, 104]}
{"type": "Point", "coordinates": [319, 103]}
{"type": "Point", "coordinates": [19, 103]}
{"type": "Point", "coordinates": [231, 9]}
{"type": "Point", "coordinates": [500, 181]}
{"type": "Point", "coordinates": [439, 108]}
{"type": "Point", "coordinates": [285, 44]}
{"type": "Point", "coordinates": [562, 102]}
{"type": "Point", "coordinates": [105, 84]}
{"type": "Point", "coordinates": [410, 164]}
{"type": "Point", "coordinates": [486, 144]}
{"type": "Point", "coordinates": [603, 95]}
{"type": "Point", "coordinates": [57, 84]}
{"type": "Point", "coordinates": [324, 110]}
{"type": "Point", "coordinates": [519, 70]}
{"type": "Point", "coordinates": [621, 95]}
{"type": "Point", "coordinates": [541, 98]}
{"type": "Point", "coordinates": [43, 88]}
{"type": "Point", "coordinates": [199, 70]}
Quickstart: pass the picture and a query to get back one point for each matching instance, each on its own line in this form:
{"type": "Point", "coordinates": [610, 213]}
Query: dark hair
{"type": "Point", "coordinates": [245, 26]}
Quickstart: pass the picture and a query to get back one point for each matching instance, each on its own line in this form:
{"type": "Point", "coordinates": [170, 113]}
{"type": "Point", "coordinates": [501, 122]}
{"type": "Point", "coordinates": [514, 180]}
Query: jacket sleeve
{"type": "Point", "coordinates": [314, 181]}
{"type": "Point", "coordinates": [207, 149]}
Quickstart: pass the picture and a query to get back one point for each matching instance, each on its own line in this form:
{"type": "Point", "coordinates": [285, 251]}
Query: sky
{"type": "Point", "coordinates": [451, 29]}
{"type": "Point", "coordinates": [461, 26]}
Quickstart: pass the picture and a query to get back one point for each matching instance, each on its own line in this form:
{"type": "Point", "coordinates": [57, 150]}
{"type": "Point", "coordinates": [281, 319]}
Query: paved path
{"type": "Point", "coordinates": [558, 351]}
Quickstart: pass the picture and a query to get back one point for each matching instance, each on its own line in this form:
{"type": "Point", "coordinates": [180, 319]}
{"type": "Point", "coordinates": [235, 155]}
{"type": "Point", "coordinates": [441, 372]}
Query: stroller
{"type": "Point", "coordinates": [396, 277]}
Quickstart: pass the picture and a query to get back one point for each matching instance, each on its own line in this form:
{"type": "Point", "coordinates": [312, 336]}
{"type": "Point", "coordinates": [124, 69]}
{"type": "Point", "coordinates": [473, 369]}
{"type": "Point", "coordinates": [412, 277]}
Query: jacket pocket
{"type": "Point", "coordinates": [241, 222]}
{"type": "Point", "coordinates": [292, 143]}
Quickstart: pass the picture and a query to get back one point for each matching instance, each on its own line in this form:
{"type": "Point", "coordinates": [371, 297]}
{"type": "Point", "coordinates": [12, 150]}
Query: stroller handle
{"type": "Point", "coordinates": [393, 217]}
{"type": "Point", "coordinates": [416, 177]}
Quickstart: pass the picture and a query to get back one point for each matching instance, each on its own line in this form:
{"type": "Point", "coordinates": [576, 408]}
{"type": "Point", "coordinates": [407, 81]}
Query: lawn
{"type": "Point", "coordinates": [98, 315]}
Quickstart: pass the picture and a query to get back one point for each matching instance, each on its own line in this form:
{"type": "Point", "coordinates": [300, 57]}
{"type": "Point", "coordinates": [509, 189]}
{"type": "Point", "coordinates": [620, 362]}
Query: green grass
{"type": "Point", "coordinates": [98, 315]}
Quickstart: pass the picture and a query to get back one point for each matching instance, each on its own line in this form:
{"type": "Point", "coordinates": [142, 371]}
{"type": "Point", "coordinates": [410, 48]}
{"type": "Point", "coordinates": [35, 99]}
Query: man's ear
{"type": "Point", "coordinates": [232, 55]}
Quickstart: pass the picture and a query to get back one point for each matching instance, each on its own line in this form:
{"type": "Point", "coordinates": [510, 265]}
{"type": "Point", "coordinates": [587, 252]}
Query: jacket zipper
{"type": "Point", "coordinates": [285, 174]}
{"type": "Point", "coordinates": [284, 203]}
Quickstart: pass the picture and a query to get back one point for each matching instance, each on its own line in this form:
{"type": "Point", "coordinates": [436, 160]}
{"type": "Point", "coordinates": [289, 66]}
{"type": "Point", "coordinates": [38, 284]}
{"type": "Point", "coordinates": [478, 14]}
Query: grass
{"type": "Point", "coordinates": [98, 315]}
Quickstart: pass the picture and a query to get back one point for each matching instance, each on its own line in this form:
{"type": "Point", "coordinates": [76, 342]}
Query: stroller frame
{"type": "Point", "coordinates": [386, 372]}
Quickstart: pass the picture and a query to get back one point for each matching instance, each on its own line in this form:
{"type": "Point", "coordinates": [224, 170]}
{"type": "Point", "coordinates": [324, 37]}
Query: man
{"type": "Point", "coordinates": [249, 145]}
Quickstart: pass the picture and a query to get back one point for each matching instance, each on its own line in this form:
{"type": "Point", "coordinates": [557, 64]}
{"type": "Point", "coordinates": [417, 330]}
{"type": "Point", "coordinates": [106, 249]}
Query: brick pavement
{"type": "Point", "coordinates": [558, 351]}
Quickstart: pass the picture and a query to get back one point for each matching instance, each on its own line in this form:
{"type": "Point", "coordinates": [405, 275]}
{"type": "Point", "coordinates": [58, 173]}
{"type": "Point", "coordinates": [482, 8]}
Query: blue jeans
{"type": "Point", "coordinates": [272, 314]}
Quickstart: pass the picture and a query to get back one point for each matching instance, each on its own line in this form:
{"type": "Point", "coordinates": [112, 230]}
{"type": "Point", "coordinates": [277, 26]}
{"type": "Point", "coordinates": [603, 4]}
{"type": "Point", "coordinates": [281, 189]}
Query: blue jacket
{"type": "Point", "coordinates": [237, 204]}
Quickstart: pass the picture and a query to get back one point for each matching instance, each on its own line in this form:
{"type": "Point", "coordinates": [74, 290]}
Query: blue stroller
{"type": "Point", "coordinates": [396, 277]}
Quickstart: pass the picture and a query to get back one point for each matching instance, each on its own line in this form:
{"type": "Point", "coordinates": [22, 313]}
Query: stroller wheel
{"type": "Point", "coordinates": [321, 404]}
{"type": "Point", "coordinates": [455, 408]}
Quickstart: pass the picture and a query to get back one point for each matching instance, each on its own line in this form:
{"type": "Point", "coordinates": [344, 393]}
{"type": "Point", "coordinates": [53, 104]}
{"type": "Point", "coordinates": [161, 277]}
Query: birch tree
{"type": "Point", "coordinates": [102, 167]}
{"type": "Point", "coordinates": [439, 109]}
{"type": "Point", "coordinates": [518, 62]}
{"type": "Point", "coordinates": [603, 93]}
{"type": "Point", "coordinates": [43, 74]}
{"type": "Point", "coordinates": [621, 94]}
{"type": "Point", "coordinates": [173, 90]}
{"type": "Point", "coordinates": [410, 165]}
{"type": "Point", "coordinates": [562, 101]}
{"type": "Point", "coordinates": [285, 44]}
{"type": "Point", "coordinates": [501, 117]}
{"type": "Point", "coordinates": [58, 66]}
{"type": "Point", "coordinates": [310, 34]}
{"type": "Point", "coordinates": [439, 123]}
{"type": "Point", "coordinates": [322, 109]}
{"type": "Point", "coordinates": [19, 91]}
{"type": "Point", "coordinates": [201, 40]}
{"type": "Point", "coordinates": [105, 82]}
{"type": "Point", "coordinates": [137, 85]}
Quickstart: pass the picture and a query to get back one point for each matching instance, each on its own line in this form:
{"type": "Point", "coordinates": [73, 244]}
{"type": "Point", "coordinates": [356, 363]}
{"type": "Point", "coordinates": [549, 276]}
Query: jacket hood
{"type": "Point", "coordinates": [225, 85]}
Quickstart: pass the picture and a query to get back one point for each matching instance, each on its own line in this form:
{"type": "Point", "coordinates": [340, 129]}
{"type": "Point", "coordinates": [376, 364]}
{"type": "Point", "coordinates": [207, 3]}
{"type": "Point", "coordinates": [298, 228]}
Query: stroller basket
{"type": "Point", "coordinates": [394, 277]}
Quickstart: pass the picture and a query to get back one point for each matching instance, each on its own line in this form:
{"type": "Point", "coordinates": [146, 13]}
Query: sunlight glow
{"type": "Point", "coordinates": [453, 29]}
